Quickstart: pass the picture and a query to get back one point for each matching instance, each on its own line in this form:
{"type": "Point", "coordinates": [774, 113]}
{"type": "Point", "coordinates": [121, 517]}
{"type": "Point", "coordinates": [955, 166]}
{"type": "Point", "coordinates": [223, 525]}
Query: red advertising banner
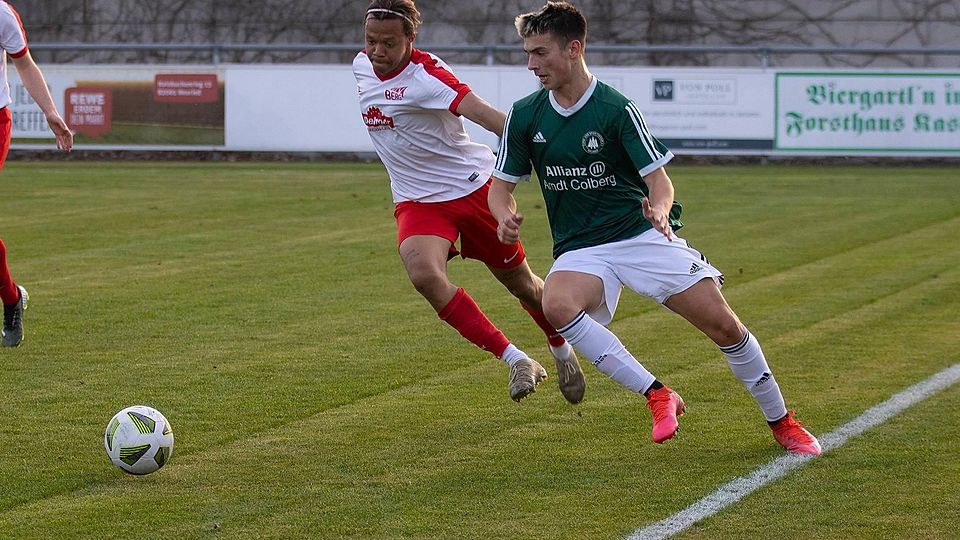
{"type": "Point", "coordinates": [185, 88]}
{"type": "Point", "coordinates": [89, 110]}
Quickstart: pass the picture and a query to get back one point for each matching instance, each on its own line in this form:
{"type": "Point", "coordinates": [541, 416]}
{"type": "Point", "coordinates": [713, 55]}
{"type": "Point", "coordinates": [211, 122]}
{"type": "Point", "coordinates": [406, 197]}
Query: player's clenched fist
{"type": "Point", "coordinates": [508, 230]}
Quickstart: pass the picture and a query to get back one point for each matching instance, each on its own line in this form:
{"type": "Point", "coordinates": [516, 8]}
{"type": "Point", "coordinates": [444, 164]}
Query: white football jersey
{"type": "Point", "coordinates": [13, 41]}
{"type": "Point", "coordinates": [418, 136]}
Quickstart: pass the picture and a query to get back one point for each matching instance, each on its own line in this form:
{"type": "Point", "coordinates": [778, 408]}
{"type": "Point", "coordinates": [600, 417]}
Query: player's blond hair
{"type": "Point", "coordinates": [562, 20]}
{"type": "Point", "coordinates": [405, 10]}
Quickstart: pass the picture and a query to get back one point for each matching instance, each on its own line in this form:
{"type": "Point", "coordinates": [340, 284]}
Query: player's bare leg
{"type": "Point", "coordinates": [425, 260]}
{"type": "Point", "coordinates": [704, 306]}
{"type": "Point", "coordinates": [528, 288]}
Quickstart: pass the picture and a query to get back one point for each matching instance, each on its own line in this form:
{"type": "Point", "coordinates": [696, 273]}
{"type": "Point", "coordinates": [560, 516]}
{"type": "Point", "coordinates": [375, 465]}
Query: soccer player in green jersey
{"type": "Point", "coordinates": [613, 218]}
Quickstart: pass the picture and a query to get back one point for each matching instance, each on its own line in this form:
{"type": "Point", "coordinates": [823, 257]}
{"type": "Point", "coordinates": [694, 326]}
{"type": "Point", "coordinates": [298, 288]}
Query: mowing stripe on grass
{"type": "Point", "coordinates": [742, 486]}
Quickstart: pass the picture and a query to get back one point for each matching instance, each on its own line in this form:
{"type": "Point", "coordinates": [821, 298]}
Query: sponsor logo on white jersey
{"type": "Point", "coordinates": [395, 94]}
{"type": "Point", "coordinates": [376, 120]}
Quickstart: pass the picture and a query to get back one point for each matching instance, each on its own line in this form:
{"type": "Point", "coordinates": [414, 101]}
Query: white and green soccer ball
{"type": "Point", "coordinates": [139, 440]}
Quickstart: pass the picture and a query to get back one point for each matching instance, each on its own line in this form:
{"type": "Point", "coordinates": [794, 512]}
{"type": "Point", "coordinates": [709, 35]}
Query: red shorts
{"type": "Point", "coordinates": [5, 125]}
{"type": "Point", "coordinates": [468, 218]}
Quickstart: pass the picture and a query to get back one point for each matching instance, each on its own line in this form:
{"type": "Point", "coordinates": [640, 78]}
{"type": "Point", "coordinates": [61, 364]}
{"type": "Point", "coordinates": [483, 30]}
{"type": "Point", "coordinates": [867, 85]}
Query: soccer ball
{"type": "Point", "coordinates": [139, 440]}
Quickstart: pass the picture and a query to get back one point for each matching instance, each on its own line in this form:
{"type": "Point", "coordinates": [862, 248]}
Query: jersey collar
{"type": "Point", "coordinates": [579, 104]}
{"type": "Point", "coordinates": [398, 70]}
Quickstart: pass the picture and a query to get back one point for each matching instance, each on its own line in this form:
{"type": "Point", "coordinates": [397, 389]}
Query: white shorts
{"type": "Point", "coordinates": [648, 264]}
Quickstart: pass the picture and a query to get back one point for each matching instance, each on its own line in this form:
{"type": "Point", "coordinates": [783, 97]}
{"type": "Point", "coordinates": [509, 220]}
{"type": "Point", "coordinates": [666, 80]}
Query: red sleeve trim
{"type": "Point", "coordinates": [443, 75]}
{"type": "Point", "coordinates": [456, 102]}
{"type": "Point", "coordinates": [19, 54]}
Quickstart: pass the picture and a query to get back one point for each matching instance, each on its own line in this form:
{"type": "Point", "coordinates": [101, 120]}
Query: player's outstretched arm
{"type": "Point", "coordinates": [480, 112]}
{"type": "Point", "coordinates": [36, 86]}
{"type": "Point", "coordinates": [656, 206]}
{"type": "Point", "coordinates": [504, 209]}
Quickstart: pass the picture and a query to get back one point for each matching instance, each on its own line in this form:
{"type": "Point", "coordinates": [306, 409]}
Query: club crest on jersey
{"type": "Point", "coordinates": [376, 120]}
{"type": "Point", "coordinates": [592, 142]}
{"type": "Point", "coordinates": [395, 94]}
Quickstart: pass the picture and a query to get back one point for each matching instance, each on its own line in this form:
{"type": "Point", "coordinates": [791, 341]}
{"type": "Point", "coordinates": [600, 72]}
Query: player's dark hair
{"type": "Point", "coordinates": [405, 10]}
{"type": "Point", "coordinates": [561, 20]}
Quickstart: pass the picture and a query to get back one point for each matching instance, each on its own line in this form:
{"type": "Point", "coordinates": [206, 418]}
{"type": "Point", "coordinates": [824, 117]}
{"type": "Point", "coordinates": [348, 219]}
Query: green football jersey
{"type": "Point", "coordinates": [590, 160]}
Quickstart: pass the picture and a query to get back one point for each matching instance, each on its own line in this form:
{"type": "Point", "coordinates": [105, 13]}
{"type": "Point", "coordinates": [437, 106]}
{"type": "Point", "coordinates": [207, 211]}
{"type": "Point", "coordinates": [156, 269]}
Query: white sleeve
{"type": "Point", "coordinates": [440, 87]}
{"type": "Point", "coordinates": [12, 37]}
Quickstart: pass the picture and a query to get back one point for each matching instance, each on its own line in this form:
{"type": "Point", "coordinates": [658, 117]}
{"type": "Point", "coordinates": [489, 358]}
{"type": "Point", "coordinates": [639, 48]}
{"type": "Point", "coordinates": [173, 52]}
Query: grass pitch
{"type": "Point", "coordinates": [313, 394]}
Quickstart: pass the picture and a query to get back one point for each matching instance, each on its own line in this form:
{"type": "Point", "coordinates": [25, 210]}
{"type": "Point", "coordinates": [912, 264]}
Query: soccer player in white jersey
{"type": "Point", "coordinates": [613, 216]}
{"type": "Point", "coordinates": [13, 41]}
{"type": "Point", "coordinates": [411, 104]}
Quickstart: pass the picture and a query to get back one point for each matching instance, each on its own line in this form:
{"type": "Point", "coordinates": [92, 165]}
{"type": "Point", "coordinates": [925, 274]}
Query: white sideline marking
{"type": "Point", "coordinates": [740, 487]}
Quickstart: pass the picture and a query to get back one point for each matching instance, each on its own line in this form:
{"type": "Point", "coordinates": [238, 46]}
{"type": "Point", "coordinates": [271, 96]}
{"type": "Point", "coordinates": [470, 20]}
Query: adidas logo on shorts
{"type": "Point", "coordinates": [694, 268]}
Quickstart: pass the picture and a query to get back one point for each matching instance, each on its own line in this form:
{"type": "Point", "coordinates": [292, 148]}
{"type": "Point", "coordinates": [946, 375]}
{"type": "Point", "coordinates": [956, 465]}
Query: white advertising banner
{"type": "Point", "coordinates": [294, 109]}
{"type": "Point", "coordinates": [26, 117]}
{"type": "Point", "coordinates": [707, 110]}
{"type": "Point", "coordinates": [315, 108]}
{"type": "Point", "coordinates": [879, 112]}
{"type": "Point", "coordinates": [116, 106]}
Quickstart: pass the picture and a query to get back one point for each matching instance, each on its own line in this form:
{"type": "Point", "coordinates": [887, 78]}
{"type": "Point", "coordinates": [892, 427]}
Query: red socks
{"type": "Point", "coordinates": [8, 291]}
{"type": "Point", "coordinates": [553, 337]}
{"type": "Point", "coordinates": [464, 315]}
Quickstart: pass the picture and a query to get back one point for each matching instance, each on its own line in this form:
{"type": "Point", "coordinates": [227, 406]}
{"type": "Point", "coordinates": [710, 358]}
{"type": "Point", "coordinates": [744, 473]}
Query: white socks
{"type": "Point", "coordinates": [512, 355]}
{"type": "Point", "coordinates": [748, 364]}
{"type": "Point", "coordinates": [605, 351]}
{"type": "Point", "coordinates": [562, 351]}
